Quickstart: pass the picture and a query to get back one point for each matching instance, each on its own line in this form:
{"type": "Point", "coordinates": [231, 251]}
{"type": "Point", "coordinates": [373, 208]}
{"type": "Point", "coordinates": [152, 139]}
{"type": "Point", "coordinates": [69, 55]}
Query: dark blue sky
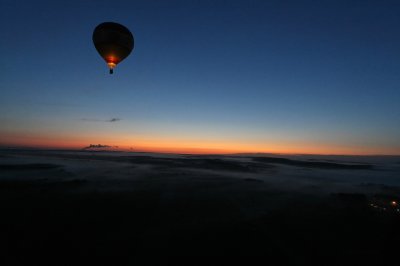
{"type": "Point", "coordinates": [281, 76]}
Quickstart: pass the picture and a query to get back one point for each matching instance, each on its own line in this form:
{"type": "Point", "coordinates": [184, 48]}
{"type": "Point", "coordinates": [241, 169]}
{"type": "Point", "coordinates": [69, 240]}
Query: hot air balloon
{"type": "Point", "coordinates": [114, 42]}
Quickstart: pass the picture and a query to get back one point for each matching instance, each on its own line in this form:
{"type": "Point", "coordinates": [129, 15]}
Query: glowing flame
{"type": "Point", "coordinates": [111, 65]}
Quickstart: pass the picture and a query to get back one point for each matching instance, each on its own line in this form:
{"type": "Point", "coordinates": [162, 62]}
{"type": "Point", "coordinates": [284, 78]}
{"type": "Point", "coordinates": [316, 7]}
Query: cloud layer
{"type": "Point", "coordinates": [112, 120]}
{"type": "Point", "coordinates": [98, 146]}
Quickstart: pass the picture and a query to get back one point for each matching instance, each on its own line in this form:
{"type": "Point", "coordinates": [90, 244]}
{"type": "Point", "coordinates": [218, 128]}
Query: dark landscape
{"type": "Point", "coordinates": [71, 207]}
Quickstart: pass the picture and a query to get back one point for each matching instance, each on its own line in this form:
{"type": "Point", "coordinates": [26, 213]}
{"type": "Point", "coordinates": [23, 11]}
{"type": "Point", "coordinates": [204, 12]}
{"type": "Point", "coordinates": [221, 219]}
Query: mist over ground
{"type": "Point", "coordinates": [186, 209]}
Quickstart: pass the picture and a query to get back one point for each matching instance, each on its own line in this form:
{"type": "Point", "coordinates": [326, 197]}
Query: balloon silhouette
{"type": "Point", "coordinates": [114, 43]}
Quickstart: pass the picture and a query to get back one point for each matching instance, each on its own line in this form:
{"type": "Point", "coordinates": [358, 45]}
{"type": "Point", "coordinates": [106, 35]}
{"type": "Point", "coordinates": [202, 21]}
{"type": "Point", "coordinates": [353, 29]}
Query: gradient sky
{"type": "Point", "coordinates": [205, 76]}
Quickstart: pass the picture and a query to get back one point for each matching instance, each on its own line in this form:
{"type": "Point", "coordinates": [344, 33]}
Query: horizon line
{"type": "Point", "coordinates": [7, 147]}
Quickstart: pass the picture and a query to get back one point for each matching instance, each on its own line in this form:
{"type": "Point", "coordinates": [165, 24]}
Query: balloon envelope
{"type": "Point", "coordinates": [114, 42]}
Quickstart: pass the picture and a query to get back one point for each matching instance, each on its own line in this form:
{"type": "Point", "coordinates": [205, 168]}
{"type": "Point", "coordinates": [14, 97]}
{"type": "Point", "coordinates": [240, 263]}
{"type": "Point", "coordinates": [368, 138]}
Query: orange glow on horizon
{"type": "Point", "coordinates": [175, 145]}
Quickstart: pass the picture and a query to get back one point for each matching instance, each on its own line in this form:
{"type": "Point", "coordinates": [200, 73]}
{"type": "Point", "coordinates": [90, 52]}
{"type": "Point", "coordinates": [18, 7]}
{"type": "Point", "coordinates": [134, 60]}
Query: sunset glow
{"type": "Point", "coordinates": [173, 145]}
{"type": "Point", "coordinates": [256, 81]}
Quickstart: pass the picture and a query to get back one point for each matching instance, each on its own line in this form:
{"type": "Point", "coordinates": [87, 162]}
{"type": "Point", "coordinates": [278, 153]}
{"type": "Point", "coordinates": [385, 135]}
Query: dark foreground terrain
{"type": "Point", "coordinates": [66, 208]}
